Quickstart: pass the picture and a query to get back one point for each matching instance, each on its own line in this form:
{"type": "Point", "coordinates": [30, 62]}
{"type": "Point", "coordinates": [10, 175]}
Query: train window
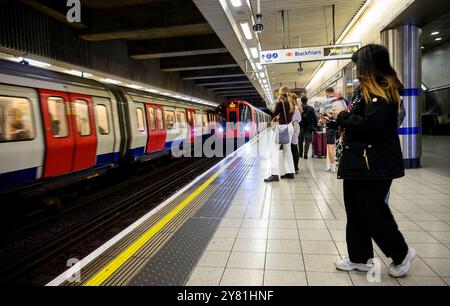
{"type": "Point", "coordinates": [170, 120]}
{"type": "Point", "coordinates": [205, 120]}
{"type": "Point", "coordinates": [82, 117]}
{"type": "Point", "coordinates": [159, 117]}
{"type": "Point", "coordinates": [233, 117]}
{"type": "Point", "coordinates": [198, 119]}
{"type": "Point", "coordinates": [190, 119]}
{"type": "Point", "coordinates": [15, 119]}
{"type": "Point", "coordinates": [140, 119]}
{"type": "Point", "coordinates": [181, 118]}
{"type": "Point", "coordinates": [57, 112]}
{"type": "Point", "coordinates": [151, 116]}
{"type": "Point", "coordinates": [102, 119]}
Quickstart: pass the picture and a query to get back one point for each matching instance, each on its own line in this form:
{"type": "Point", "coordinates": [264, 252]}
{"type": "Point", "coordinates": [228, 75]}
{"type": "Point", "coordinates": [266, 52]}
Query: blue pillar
{"type": "Point", "coordinates": [404, 47]}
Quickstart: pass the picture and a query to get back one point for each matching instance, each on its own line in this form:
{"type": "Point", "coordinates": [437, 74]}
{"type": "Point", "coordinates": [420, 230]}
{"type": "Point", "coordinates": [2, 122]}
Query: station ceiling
{"type": "Point", "coordinates": [307, 23]}
{"type": "Point", "coordinates": [172, 31]}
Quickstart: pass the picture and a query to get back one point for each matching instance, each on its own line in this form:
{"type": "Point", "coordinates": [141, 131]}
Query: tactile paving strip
{"type": "Point", "coordinates": [173, 263]}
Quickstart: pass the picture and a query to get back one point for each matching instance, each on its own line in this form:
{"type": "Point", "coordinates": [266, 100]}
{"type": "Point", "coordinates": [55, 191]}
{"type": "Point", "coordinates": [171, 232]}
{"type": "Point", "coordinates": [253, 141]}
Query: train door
{"type": "Point", "coordinates": [191, 125]}
{"type": "Point", "coordinates": [71, 141]}
{"type": "Point", "coordinates": [105, 131]}
{"type": "Point", "coordinates": [232, 120]}
{"type": "Point", "coordinates": [85, 135]}
{"type": "Point", "coordinates": [58, 131]}
{"type": "Point", "coordinates": [156, 128]}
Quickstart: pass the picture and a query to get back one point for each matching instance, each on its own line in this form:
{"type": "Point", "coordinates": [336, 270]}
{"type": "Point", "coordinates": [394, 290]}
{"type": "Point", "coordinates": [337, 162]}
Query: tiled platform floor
{"type": "Point", "coordinates": [289, 233]}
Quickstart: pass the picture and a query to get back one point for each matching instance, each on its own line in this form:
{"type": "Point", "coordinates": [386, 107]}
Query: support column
{"type": "Point", "coordinates": [404, 47]}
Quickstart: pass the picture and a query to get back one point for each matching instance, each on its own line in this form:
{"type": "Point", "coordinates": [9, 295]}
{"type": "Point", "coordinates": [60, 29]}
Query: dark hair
{"type": "Point", "coordinates": [329, 89]}
{"type": "Point", "coordinates": [376, 75]}
{"type": "Point", "coordinates": [304, 100]}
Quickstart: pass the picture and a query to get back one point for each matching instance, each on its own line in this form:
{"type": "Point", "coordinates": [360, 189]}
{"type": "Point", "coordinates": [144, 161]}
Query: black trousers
{"type": "Point", "coordinates": [295, 155]}
{"type": "Point", "coordinates": [304, 141]}
{"type": "Point", "coordinates": [368, 217]}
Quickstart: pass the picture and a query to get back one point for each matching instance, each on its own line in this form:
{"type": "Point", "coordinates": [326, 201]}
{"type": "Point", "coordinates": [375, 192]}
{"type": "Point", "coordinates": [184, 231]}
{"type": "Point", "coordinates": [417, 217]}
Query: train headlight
{"type": "Point", "coordinates": [221, 129]}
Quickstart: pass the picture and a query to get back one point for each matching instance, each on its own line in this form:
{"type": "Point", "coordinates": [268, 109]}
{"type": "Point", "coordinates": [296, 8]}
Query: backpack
{"type": "Point", "coordinates": [306, 117]}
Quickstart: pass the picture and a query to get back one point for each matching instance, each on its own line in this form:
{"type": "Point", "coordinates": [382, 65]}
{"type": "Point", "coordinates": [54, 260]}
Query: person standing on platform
{"type": "Point", "coordinates": [296, 119]}
{"type": "Point", "coordinates": [372, 158]}
{"type": "Point", "coordinates": [281, 122]}
{"type": "Point", "coordinates": [308, 125]}
{"type": "Point", "coordinates": [331, 135]}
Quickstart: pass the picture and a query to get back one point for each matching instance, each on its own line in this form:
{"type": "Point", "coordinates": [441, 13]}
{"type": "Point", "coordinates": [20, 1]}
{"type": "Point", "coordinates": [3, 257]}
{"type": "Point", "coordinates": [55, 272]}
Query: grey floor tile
{"type": "Point", "coordinates": [328, 279]}
{"type": "Point", "coordinates": [246, 260]}
{"type": "Point", "coordinates": [250, 245]}
{"type": "Point", "coordinates": [280, 261]}
{"type": "Point", "coordinates": [315, 235]}
{"type": "Point", "coordinates": [204, 276]}
{"type": "Point", "coordinates": [320, 263]}
{"type": "Point", "coordinates": [215, 259]}
{"type": "Point", "coordinates": [283, 246]}
{"type": "Point", "coordinates": [421, 281]}
{"type": "Point", "coordinates": [362, 279]}
{"type": "Point", "coordinates": [284, 278]}
{"type": "Point", "coordinates": [431, 250]}
{"type": "Point", "coordinates": [220, 244]}
{"type": "Point", "coordinates": [319, 247]}
{"type": "Point", "coordinates": [439, 265]}
{"type": "Point", "coordinates": [242, 277]}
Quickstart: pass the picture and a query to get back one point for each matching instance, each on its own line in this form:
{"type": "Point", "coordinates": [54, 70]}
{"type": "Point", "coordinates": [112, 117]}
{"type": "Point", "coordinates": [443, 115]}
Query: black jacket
{"type": "Point", "coordinates": [309, 119]}
{"type": "Point", "coordinates": [371, 142]}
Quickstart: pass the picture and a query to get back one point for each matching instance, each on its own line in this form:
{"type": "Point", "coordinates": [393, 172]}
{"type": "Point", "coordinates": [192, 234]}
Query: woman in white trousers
{"type": "Point", "coordinates": [283, 112]}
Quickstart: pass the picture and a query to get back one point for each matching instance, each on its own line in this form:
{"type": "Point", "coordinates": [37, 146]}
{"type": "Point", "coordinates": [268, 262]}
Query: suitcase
{"type": "Point", "coordinates": [319, 144]}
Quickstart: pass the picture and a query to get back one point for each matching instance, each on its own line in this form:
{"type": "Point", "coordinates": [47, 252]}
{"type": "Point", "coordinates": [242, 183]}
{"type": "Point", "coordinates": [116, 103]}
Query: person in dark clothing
{"type": "Point", "coordinates": [372, 158]}
{"type": "Point", "coordinates": [307, 127]}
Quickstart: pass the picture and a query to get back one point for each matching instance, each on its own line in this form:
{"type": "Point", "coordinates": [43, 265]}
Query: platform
{"type": "Point", "coordinates": [229, 228]}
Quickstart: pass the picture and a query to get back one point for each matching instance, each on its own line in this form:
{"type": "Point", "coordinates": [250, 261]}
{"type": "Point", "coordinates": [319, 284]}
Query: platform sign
{"type": "Point", "coordinates": [310, 54]}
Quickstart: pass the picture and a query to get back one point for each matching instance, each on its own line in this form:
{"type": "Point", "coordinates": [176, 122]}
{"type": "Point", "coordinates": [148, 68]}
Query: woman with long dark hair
{"type": "Point", "coordinates": [371, 159]}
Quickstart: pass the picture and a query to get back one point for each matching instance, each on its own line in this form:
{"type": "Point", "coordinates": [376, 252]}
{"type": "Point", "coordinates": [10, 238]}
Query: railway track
{"type": "Point", "coordinates": [32, 256]}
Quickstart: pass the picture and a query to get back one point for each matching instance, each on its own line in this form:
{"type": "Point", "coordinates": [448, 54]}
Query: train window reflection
{"type": "Point", "coordinates": [151, 115]}
{"type": "Point", "coordinates": [102, 118]}
{"type": "Point", "coordinates": [159, 117]}
{"type": "Point", "coordinates": [82, 117]}
{"type": "Point", "coordinates": [170, 120]}
{"type": "Point", "coordinates": [15, 119]}
{"type": "Point", "coordinates": [181, 117]}
{"type": "Point", "coordinates": [57, 112]}
{"type": "Point", "coordinates": [140, 119]}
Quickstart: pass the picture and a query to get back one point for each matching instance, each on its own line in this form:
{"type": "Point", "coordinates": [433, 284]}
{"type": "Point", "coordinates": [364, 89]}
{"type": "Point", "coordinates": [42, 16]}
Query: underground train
{"type": "Point", "coordinates": [57, 129]}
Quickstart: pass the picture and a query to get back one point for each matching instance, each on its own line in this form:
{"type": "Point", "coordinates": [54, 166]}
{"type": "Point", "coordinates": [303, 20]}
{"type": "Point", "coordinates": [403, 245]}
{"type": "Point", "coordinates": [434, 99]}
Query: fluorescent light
{"type": "Point", "coordinates": [254, 52]}
{"type": "Point", "coordinates": [438, 39]}
{"type": "Point", "coordinates": [246, 30]}
{"type": "Point", "coordinates": [33, 62]}
{"type": "Point", "coordinates": [74, 72]}
{"type": "Point", "coordinates": [264, 81]}
{"type": "Point", "coordinates": [236, 3]}
{"type": "Point", "coordinates": [111, 81]}
{"type": "Point", "coordinates": [135, 86]}
{"type": "Point", "coordinates": [262, 74]}
{"type": "Point", "coordinates": [152, 90]}
{"type": "Point", "coordinates": [435, 33]}
{"type": "Point", "coordinates": [259, 66]}
{"type": "Point", "coordinates": [87, 75]}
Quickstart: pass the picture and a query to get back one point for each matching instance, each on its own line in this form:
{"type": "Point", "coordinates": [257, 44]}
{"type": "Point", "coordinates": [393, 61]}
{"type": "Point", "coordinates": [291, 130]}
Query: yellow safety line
{"type": "Point", "coordinates": [123, 257]}
{"type": "Point", "coordinates": [117, 262]}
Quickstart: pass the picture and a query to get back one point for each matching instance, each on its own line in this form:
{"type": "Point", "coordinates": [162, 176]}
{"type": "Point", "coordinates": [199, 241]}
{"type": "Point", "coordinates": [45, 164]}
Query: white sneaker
{"type": "Point", "coordinates": [346, 265]}
{"type": "Point", "coordinates": [403, 268]}
{"type": "Point", "coordinates": [333, 169]}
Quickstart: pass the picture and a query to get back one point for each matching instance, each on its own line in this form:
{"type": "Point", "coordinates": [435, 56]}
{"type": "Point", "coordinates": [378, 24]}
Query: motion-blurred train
{"type": "Point", "coordinates": [57, 129]}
